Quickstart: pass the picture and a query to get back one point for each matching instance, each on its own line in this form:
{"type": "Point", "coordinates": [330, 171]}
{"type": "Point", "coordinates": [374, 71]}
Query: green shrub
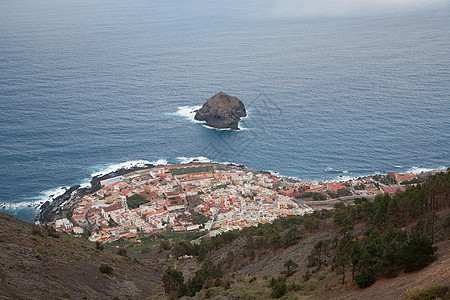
{"type": "Point", "coordinates": [310, 286]}
{"type": "Point", "coordinates": [36, 231]}
{"type": "Point", "coordinates": [306, 277]}
{"type": "Point", "coordinates": [122, 252]}
{"type": "Point", "coordinates": [279, 289]}
{"type": "Point", "coordinates": [173, 281]}
{"type": "Point", "coordinates": [365, 279]}
{"type": "Point", "coordinates": [226, 284]}
{"type": "Point", "coordinates": [321, 277]}
{"type": "Point", "coordinates": [392, 274]}
{"type": "Point", "coordinates": [295, 286]}
{"type": "Point", "coordinates": [53, 234]}
{"type": "Point", "coordinates": [105, 268]}
{"type": "Point", "coordinates": [165, 245]}
{"type": "Point", "coordinates": [429, 293]}
{"type": "Point", "coordinates": [434, 292]}
{"type": "Point", "coordinates": [51, 231]}
{"type": "Point", "coordinates": [418, 253]}
{"type": "Point", "coordinates": [98, 246]}
{"type": "Point", "coordinates": [446, 223]}
{"type": "Point", "coordinates": [65, 294]}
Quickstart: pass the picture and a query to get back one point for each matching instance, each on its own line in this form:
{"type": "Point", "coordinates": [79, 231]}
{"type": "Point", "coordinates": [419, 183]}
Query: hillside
{"type": "Point", "coordinates": [381, 249]}
{"type": "Point", "coordinates": [437, 273]}
{"type": "Point", "coordinates": [384, 248]}
{"type": "Point", "coordinates": [38, 263]}
{"type": "Point", "coordinates": [250, 279]}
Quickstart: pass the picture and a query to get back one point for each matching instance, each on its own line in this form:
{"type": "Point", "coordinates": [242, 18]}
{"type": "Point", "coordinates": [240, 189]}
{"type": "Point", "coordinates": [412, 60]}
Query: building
{"type": "Point", "coordinates": [63, 224]}
{"type": "Point", "coordinates": [400, 177]}
{"type": "Point", "coordinates": [393, 188]}
{"type": "Point", "coordinates": [113, 211]}
{"type": "Point", "coordinates": [335, 186]}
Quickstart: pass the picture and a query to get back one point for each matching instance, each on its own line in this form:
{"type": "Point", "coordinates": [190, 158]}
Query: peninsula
{"type": "Point", "coordinates": [209, 197]}
{"type": "Point", "coordinates": [222, 112]}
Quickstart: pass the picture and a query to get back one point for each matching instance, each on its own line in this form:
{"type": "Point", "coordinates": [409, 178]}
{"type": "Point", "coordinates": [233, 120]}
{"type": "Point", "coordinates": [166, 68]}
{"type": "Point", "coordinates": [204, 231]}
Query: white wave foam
{"type": "Point", "coordinates": [274, 173]}
{"type": "Point", "coordinates": [51, 194]}
{"type": "Point", "coordinates": [123, 165]}
{"type": "Point", "coordinates": [85, 183]}
{"type": "Point", "coordinates": [418, 170]}
{"type": "Point", "coordinates": [159, 162]}
{"type": "Point", "coordinates": [188, 112]}
{"type": "Point", "coordinates": [225, 129]}
{"type": "Point", "coordinates": [345, 178]}
{"type": "Point", "coordinates": [186, 160]}
{"type": "Point", "coordinates": [105, 169]}
{"type": "Point", "coordinates": [18, 205]}
{"type": "Point", "coordinates": [228, 163]}
{"type": "Point", "coordinates": [37, 201]}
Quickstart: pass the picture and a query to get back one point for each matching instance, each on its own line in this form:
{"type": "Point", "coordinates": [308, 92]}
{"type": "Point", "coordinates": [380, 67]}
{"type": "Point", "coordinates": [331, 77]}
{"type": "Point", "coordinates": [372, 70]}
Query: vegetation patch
{"type": "Point", "coordinates": [365, 279]}
{"type": "Point", "coordinates": [429, 293]}
{"type": "Point", "coordinates": [106, 269]}
{"type": "Point", "coordinates": [182, 171]}
{"type": "Point", "coordinates": [340, 193]}
{"type": "Point", "coordinates": [314, 195]}
{"type": "Point", "coordinates": [135, 201]}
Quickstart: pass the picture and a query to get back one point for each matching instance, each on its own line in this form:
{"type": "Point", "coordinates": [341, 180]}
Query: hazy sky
{"type": "Point", "coordinates": [349, 7]}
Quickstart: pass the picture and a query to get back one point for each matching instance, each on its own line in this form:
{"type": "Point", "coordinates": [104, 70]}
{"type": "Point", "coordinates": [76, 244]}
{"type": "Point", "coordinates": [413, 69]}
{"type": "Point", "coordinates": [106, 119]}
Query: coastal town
{"type": "Point", "coordinates": [205, 197]}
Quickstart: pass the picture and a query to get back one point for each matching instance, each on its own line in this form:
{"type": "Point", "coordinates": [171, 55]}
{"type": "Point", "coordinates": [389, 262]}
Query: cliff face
{"type": "Point", "coordinates": [222, 111]}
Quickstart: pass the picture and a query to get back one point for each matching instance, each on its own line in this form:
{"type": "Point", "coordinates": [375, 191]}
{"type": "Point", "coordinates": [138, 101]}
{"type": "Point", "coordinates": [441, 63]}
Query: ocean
{"type": "Point", "coordinates": [88, 86]}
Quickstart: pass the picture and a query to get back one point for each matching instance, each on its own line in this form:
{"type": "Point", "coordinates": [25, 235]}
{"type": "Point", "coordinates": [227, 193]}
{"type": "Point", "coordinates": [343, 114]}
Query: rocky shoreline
{"type": "Point", "coordinates": [50, 210]}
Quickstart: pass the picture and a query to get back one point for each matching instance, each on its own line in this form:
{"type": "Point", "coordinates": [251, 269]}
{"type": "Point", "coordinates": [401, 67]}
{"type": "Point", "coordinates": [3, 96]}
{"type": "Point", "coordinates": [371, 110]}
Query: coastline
{"type": "Point", "coordinates": [51, 209]}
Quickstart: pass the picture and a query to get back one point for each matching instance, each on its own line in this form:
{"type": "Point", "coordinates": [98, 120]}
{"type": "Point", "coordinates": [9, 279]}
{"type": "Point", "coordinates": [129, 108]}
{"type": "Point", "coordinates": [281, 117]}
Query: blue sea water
{"type": "Point", "coordinates": [89, 84]}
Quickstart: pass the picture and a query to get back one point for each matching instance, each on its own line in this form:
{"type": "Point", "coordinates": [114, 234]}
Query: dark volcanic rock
{"type": "Point", "coordinates": [222, 111]}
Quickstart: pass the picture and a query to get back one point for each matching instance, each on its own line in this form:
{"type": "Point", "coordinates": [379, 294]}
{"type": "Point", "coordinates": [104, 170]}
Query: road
{"type": "Point", "coordinates": [329, 204]}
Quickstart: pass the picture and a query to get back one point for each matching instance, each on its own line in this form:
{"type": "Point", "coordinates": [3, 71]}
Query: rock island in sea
{"type": "Point", "coordinates": [222, 112]}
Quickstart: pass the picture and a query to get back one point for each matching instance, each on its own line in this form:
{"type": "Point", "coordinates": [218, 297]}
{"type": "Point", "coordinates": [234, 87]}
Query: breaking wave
{"type": "Point", "coordinates": [186, 160]}
{"type": "Point", "coordinates": [102, 170]}
{"type": "Point", "coordinates": [188, 112]}
{"type": "Point", "coordinates": [36, 201]}
{"type": "Point", "coordinates": [418, 170]}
